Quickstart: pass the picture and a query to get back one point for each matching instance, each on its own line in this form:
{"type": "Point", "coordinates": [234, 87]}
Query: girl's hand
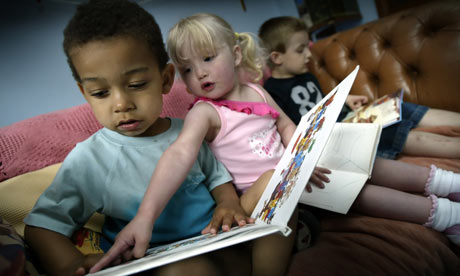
{"type": "Point", "coordinates": [226, 213]}
{"type": "Point", "coordinates": [131, 242]}
{"type": "Point", "coordinates": [356, 101]}
{"type": "Point", "coordinates": [317, 178]}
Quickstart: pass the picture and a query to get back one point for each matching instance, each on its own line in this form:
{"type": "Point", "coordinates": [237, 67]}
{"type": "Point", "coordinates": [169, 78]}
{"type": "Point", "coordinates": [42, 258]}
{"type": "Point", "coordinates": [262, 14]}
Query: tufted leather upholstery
{"type": "Point", "coordinates": [417, 50]}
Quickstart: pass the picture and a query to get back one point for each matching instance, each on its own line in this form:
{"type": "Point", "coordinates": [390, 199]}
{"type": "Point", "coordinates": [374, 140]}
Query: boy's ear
{"type": "Point", "coordinates": [276, 57]}
{"type": "Point", "coordinates": [237, 54]}
{"type": "Point", "coordinates": [168, 78]}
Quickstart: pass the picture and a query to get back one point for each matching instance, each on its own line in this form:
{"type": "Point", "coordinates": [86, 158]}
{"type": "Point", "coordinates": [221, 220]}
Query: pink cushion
{"type": "Point", "coordinates": [46, 139]}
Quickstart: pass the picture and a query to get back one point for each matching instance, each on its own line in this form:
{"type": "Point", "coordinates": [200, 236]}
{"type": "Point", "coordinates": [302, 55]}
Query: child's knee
{"type": "Point", "coordinates": [200, 265]}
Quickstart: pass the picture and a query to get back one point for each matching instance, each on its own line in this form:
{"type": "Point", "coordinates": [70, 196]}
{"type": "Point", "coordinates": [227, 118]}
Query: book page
{"type": "Point", "coordinates": [283, 192]}
{"type": "Point", "coordinates": [351, 147]}
{"type": "Point", "coordinates": [350, 155]}
{"type": "Point", "coordinates": [187, 248]}
{"type": "Point", "coordinates": [385, 111]}
{"type": "Point", "coordinates": [339, 194]}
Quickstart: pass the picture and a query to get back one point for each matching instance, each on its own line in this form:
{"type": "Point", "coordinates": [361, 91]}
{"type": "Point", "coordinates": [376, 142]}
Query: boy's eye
{"type": "Point", "coordinates": [99, 94]}
{"type": "Point", "coordinates": [137, 85]}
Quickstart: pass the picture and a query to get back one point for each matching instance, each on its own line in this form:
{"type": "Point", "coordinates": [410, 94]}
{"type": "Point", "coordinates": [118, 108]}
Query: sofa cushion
{"type": "Point", "coordinates": [19, 194]}
{"type": "Point", "coordinates": [46, 139]}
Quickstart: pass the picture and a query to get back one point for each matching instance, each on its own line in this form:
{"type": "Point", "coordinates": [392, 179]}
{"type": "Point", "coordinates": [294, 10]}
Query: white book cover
{"type": "Point", "coordinates": [277, 202]}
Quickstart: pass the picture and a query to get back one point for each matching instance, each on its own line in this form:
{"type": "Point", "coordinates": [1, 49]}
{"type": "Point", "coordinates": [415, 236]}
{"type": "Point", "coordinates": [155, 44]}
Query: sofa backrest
{"type": "Point", "coordinates": [417, 50]}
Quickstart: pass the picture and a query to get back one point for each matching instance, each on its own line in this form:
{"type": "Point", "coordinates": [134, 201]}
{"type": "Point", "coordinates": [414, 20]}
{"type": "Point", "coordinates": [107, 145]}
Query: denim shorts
{"type": "Point", "coordinates": [394, 137]}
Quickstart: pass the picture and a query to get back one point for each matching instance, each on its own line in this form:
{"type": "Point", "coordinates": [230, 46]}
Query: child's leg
{"type": "Point", "coordinates": [440, 214]}
{"type": "Point", "coordinates": [431, 144]}
{"type": "Point", "coordinates": [389, 203]}
{"type": "Point", "coordinates": [416, 179]}
{"type": "Point", "coordinates": [231, 261]}
{"type": "Point", "coordinates": [399, 175]}
{"type": "Point", "coordinates": [422, 143]}
{"type": "Point", "coordinates": [440, 117]}
{"type": "Point", "coordinates": [271, 254]}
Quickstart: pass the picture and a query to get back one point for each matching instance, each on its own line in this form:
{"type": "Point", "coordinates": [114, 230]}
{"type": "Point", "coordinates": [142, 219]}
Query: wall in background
{"type": "Point", "coordinates": [34, 74]}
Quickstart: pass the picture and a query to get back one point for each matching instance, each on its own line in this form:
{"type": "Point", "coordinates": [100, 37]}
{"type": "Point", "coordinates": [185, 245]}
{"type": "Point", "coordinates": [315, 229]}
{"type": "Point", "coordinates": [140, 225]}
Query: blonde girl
{"type": "Point", "coordinates": [238, 119]}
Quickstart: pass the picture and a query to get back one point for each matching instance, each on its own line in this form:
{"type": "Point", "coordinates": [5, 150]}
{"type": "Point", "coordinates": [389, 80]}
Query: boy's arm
{"type": "Point", "coordinates": [169, 174]}
{"type": "Point", "coordinates": [57, 253]}
{"type": "Point", "coordinates": [228, 210]}
{"type": "Point", "coordinates": [356, 101]}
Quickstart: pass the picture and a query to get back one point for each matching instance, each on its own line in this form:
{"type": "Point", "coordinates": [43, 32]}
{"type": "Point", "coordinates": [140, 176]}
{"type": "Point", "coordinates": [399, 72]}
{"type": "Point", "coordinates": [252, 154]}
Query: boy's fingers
{"type": "Point", "coordinates": [240, 219]}
{"type": "Point", "coordinates": [227, 222]}
{"type": "Point", "coordinates": [206, 229]}
{"type": "Point", "coordinates": [113, 253]}
{"type": "Point", "coordinates": [215, 224]}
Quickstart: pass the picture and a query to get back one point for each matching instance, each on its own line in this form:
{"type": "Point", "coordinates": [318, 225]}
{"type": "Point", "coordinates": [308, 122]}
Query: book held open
{"type": "Point", "coordinates": [282, 193]}
{"type": "Point", "coordinates": [385, 110]}
{"type": "Point", "coordinates": [349, 154]}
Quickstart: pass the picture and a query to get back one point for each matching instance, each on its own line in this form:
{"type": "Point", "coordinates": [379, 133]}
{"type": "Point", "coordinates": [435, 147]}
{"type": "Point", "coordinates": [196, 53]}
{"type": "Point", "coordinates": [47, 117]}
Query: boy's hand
{"type": "Point", "coordinates": [86, 263]}
{"type": "Point", "coordinates": [318, 177]}
{"type": "Point", "coordinates": [227, 212]}
{"type": "Point", "coordinates": [356, 101]}
{"type": "Point", "coordinates": [131, 242]}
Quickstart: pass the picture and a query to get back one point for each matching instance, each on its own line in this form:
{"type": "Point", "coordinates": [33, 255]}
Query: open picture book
{"type": "Point", "coordinates": [349, 154]}
{"type": "Point", "coordinates": [280, 197]}
{"type": "Point", "coordinates": [385, 110]}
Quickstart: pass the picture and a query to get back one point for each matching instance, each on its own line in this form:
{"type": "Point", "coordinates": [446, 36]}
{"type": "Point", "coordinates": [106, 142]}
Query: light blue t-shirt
{"type": "Point", "coordinates": [109, 173]}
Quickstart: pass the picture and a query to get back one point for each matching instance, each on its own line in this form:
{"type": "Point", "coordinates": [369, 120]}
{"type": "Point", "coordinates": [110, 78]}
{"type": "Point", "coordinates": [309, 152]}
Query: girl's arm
{"type": "Point", "coordinates": [284, 124]}
{"type": "Point", "coordinates": [57, 253]}
{"type": "Point", "coordinates": [175, 163]}
{"type": "Point", "coordinates": [286, 128]}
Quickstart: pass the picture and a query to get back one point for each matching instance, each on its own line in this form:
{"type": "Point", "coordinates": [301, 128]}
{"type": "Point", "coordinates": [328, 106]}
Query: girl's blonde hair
{"type": "Point", "coordinates": [204, 33]}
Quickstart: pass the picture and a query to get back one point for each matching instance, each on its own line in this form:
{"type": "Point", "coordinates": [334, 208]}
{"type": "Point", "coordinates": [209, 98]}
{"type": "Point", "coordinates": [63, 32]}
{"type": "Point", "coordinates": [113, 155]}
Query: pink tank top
{"type": "Point", "coordinates": [248, 143]}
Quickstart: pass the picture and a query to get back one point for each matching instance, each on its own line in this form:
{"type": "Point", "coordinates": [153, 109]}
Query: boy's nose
{"type": "Point", "coordinates": [122, 102]}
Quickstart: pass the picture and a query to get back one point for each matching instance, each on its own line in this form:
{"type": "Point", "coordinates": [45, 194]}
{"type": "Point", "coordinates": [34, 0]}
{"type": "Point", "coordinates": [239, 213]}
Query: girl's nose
{"type": "Point", "coordinates": [307, 53]}
{"type": "Point", "coordinates": [201, 74]}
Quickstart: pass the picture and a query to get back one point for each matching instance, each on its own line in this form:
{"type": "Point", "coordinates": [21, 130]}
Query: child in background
{"type": "Point", "coordinates": [243, 126]}
{"type": "Point", "coordinates": [389, 195]}
{"type": "Point", "coordinates": [296, 91]}
{"type": "Point", "coordinates": [117, 56]}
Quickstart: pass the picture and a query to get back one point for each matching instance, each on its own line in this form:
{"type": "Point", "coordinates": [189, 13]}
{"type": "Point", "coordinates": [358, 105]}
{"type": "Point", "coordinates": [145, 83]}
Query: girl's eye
{"type": "Point", "coordinates": [208, 58]}
{"type": "Point", "coordinates": [99, 94]}
{"type": "Point", "coordinates": [186, 70]}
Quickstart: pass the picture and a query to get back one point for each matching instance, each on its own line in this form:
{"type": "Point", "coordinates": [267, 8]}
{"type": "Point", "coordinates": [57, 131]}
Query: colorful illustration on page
{"type": "Point", "coordinates": [303, 145]}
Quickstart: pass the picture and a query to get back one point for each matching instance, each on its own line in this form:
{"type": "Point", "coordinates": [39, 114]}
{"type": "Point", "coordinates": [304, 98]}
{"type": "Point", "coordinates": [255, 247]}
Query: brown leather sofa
{"type": "Point", "coordinates": [417, 50]}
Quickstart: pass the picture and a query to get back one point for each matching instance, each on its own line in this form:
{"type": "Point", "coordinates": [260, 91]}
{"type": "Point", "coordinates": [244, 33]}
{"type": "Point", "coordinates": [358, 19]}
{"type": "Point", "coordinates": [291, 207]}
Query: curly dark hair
{"type": "Point", "coordinates": [104, 19]}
